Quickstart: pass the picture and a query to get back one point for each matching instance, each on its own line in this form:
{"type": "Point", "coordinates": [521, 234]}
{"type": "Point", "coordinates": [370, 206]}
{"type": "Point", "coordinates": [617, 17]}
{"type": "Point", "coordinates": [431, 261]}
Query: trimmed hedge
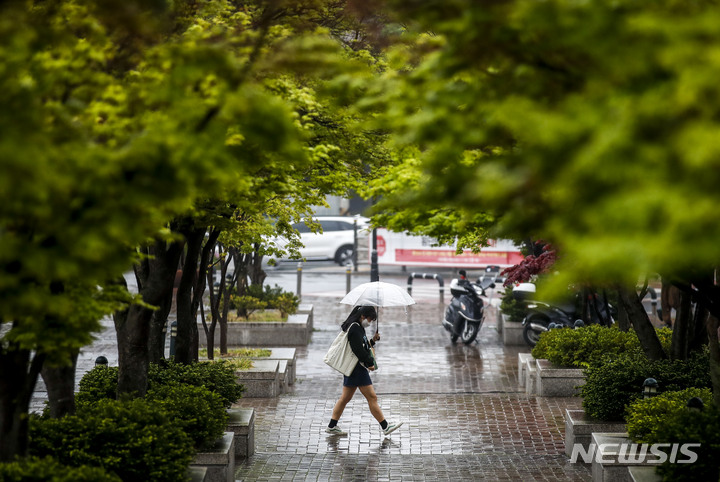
{"type": "Point", "coordinates": [133, 439]}
{"type": "Point", "coordinates": [582, 347]}
{"type": "Point", "coordinates": [196, 410]}
{"type": "Point", "coordinates": [100, 383]}
{"type": "Point", "coordinates": [646, 416]}
{"type": "Point", "coordinates": [35, 469]}
{"type": "Point", "coordinates": [218, 377]}
{"type": "Point", "coordinates": [691, 426]}
{"type": "Point", "coordinates": [613, 384]}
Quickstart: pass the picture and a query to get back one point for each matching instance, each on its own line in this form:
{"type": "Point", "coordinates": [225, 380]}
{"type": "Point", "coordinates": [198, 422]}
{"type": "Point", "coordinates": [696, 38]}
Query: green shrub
{"type": "Point", "coordinates": [286, 303]}
{"type": "Point", "coordinates": [101, 382]}
{"type": "Point", "coordinates": [97, 384]}
{"type": "Point", "coordinates": [581, 347]}
{"type": "Point", "coordinates": [247, 305]}
{"type": "Point", "coordinates": [646, 416]}
{"type": "Point", "coordinates": [218, 377]}
{"type": "Point", "coordinates": [34, 469]}
{"type": "Point", "coordinates": [616, 381]}
{"type": "Point", "coordinates": [258, 297]}
{"type": "Point", "coordinates": [514, 309]}
{"type": "Point", "coordinates": [198, 411]}
{"type": "Point", "coordinates": [691, 426]}
{"type": "Point", "coordinates": [131, 438]}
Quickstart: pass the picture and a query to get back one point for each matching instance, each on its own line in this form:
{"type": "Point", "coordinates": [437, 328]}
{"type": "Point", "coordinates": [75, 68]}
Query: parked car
{"type": "Point", "coordinates": [336, 242]}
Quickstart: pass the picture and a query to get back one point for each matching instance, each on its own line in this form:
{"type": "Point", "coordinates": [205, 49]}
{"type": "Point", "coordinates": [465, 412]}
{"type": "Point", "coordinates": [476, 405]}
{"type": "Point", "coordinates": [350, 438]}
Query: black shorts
{"type": "Point", "coordinates": [360, 377]}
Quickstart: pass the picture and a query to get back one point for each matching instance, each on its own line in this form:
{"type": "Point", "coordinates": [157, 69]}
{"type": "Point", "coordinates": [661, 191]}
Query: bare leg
{"type": "Point", "coordinates": [368, 392]}
{"type": "Point", "coordinates": [345, 397]}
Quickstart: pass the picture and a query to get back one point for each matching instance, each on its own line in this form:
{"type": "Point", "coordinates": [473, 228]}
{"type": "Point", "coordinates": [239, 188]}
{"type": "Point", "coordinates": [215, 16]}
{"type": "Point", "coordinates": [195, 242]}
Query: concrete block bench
{"type": "Point", "coordinates": [261, 381]}
{"type": "Point", "coordinates": [241, 423]}
{"type": "Point", "coordinates": [219, 460]}
{"type": "Point", "coordinates": [579, 429]}
{"type": "Point", "coordinates": [554, 381]}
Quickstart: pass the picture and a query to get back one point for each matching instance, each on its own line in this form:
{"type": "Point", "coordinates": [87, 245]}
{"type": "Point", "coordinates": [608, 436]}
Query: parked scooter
{"type": "Point", "coordinates": [466, 312]}
{"type": "Point", "coordinates": [541, 316]}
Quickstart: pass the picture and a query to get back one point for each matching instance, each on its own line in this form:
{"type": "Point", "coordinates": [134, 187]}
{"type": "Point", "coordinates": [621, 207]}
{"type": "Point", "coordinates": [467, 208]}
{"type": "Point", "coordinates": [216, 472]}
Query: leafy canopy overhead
{"type": "Point", "coordinates": [594, 125]}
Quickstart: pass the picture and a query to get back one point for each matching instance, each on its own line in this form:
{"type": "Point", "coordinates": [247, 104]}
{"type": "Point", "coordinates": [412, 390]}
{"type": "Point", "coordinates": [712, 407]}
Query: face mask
{"type": "Point", "coordinates": [365, 323]}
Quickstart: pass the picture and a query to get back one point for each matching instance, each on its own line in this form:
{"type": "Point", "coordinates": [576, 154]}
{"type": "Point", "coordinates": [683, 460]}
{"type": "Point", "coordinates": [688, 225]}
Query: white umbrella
{"type": "Point", "coordinates": [378, 293]}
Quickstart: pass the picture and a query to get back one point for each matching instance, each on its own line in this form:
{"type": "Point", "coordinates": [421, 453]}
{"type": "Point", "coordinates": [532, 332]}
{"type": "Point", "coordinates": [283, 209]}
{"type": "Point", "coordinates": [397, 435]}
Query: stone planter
{"type": "Point", "coordinates": [512, 333]}
{"type": "Point", "coordinates": [220, 460]}
{"type": "Point", "coordinates": [293, 332]}
{"type": "Point", "coordinates": [643, 474]}
{"type": "Point", "coordinates": [579, 429]}
{"type": "Point", "coordinates": [306, 309]}
{"type": "Point", "coordinates": [522, 367]}
{"type": "Point", "coordinates": [531, 377]}
{"type": "Point", "coordinates": [261, 381]}
{"type": "Point", "coordinates": [608, 465]}
{"type": "Point", "coordinates": [197, 474]}
{"type": "Point", "coordinates": [286, 355]}
{"type": "Point", "coordinates": [241, 423]}
{"type": "Point", "coordinates": [553, 381]}
{"type": "Point", "coordinates": [501, 320]}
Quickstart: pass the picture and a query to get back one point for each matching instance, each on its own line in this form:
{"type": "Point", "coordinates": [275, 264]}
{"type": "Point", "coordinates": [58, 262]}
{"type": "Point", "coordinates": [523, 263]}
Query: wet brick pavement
{"type": "Point", "coordinates": [465, 418]}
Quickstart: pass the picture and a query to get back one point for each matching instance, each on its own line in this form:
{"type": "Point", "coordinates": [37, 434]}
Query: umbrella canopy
{"type": "Point", "coordinates": [378, 293]}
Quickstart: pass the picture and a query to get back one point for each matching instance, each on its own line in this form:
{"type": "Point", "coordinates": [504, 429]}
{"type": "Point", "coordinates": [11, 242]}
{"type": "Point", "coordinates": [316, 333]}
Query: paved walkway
{"type": "Point", "coordinates": [465, 418]}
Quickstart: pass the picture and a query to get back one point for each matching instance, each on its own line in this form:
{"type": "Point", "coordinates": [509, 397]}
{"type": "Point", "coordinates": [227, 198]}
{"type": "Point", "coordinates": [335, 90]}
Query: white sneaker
{"type": "Point", "coordinates": [335, 431]}
{"type": "Point", "coordinates": [391, 428]}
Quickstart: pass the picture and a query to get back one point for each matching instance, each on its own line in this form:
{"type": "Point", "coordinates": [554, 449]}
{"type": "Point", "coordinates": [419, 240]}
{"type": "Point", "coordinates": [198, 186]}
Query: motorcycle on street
{"type": "Point", "coordinates": [466, 312]}
{"type": "Point", "coordinates": [542, 316]}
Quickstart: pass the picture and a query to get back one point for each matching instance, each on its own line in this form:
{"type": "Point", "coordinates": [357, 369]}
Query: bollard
{"type": "Point", "coordinates": [348, 277]}
{"type": "Point", "coordinates": [299, 280]}
{"type": "Point", "coordinates": [437, 277]}
{"type": "Point", "coordinates": [173, 335]}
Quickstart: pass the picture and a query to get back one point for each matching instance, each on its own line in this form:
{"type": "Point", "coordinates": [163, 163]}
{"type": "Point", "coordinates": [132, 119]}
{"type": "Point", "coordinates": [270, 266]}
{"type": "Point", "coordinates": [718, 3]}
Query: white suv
{"type": "Point", "coordinates": [335, 242]}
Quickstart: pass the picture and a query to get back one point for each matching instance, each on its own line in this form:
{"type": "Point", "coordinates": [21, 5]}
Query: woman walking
{"type": "Point", "coordinates": [359, 319]}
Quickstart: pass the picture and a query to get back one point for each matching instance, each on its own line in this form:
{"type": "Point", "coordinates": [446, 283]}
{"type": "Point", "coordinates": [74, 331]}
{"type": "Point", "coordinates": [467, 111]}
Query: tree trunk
{"type": "Point", "coordinates": [699, 336]}
{"type": "Point", "coordinates": [713, 325]}
{"type": "Point", "coordinates": [186, 342]}
{"type": "Point", "coordinates": [156, 275]}
{"type": "Point", "coordinates": [640, 321]}
{"type": "Point", "coordinates": [623, 320]}
{"type": "Point", "coordinates": [60, 383]}
{"type": "Point", "coordinates": [256, 272]}
{"type": "Point", "coordinates": [158, 329]}
{"type": "Point", "coordinates": [682, 327]}
{"type": "Point", "coordinates": [18, 375]}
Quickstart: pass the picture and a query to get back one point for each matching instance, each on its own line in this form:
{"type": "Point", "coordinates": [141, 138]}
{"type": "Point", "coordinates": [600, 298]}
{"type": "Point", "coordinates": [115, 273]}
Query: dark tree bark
{"type": "Point", "coordinates": [643, 327]}
{"type": "Point", "coordinates": [682, 327]}
{"type": "Point", "coordinates": [623, 319]}
{"type": "Point", "coordinates": [60, 383]}
{"type": "Point", "coordinates": [191, 290]}
{"type": "Point", "coordinates": [218, 302]}
{"type": "Point", "coordinates": [155, 274]}
{"type": "Point", "coordinates": [18, 374]}
{"type": "Point", "coordinates": [713, 325]}
{"type": "Point", "coordinates": [256, 273]}
{"type": "Point", "coordinates": [158, 329]}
